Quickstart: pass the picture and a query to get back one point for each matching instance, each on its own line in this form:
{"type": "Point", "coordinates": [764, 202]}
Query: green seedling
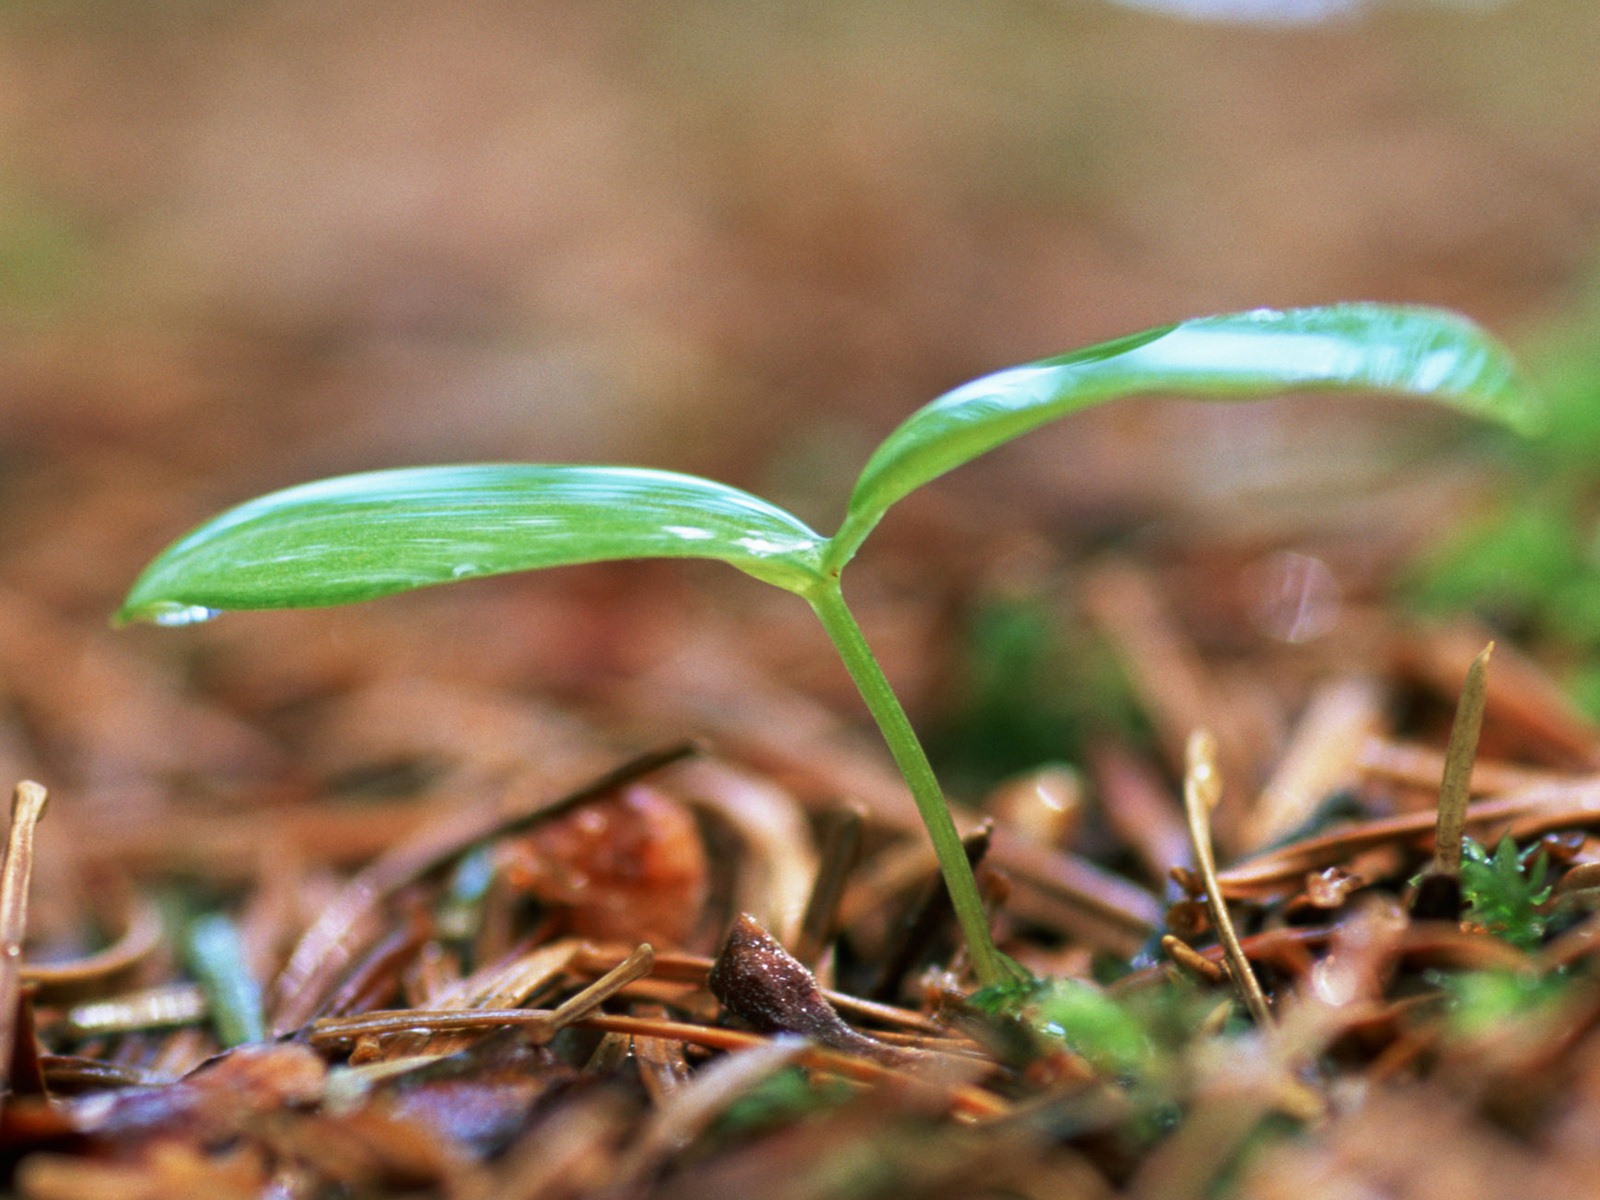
{"type": "Point", "coordinates": [368, 535]}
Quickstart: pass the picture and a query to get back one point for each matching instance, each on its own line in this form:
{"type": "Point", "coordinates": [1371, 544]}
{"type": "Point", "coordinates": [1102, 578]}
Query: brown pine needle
{"type": "Point", "coordinates": [331, 1031]}
{"type": "Point", "coordinates": [64, 981]}
{"type": "Point", "coordinates": [1202, 790]}
{"type": "Point", "coordinates": [964, 1099]}
{"type": "Point", "coordinates": [541, 1023]}
{"type": "Point", "coordinates": [166, 1006]}
{"type": "Point", "coordinates": [701, 1102]}
{"type": "Point", "coordinates": [1320, 758]}
{"type": "Point", "coordinates": [636, 966]}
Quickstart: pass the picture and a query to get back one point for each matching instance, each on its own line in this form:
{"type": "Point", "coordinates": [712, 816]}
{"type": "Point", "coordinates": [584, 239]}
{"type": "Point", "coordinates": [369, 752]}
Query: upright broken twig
{"type": "Point", "coordinates": [1439, 890]}
{"type": "Point", "coordinates": [27, 806]}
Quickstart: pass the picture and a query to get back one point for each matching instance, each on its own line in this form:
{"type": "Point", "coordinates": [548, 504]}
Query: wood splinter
{"type": "Point", "coordinates": [27, 806]}
{"type": "Point", "coordinates": [1438, 896]}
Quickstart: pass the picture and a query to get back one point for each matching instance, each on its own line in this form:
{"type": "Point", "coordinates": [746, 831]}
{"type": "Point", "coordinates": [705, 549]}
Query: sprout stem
{"type": "Point", "coordinates": [828, 601]}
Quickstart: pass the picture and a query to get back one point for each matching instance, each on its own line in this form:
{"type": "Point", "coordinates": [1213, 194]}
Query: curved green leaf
{"type": "Point", "coordinates": [360, 536]}
{"type": "Point", "coordinates": [1415, 351]}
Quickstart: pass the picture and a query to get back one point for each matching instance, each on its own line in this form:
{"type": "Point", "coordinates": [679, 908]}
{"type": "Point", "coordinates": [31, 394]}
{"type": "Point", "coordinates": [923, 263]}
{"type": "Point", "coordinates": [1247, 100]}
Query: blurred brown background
{"type": "Point", "coordinates": [243, 245]}
{"type": "Point", "coordinates": [689, 233]}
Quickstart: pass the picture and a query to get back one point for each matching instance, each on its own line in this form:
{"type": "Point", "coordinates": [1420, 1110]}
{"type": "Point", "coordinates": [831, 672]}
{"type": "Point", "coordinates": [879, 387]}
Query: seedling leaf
{"type": "Point", "coordinates": [361, 536]}
{"type": "Point", "coordinates": [1412, 351]}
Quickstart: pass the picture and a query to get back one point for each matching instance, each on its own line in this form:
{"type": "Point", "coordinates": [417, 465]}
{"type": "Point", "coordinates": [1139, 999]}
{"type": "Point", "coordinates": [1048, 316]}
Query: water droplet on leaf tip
{"type": "Point", "coordinates": [172, 615]}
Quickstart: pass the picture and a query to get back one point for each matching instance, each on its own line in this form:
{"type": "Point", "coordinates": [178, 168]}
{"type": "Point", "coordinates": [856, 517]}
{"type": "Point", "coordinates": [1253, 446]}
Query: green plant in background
{"type": "Point", "coordinates": [1484, 1003]}
{"type": "Point", "coordinates": [1112, 1036]}
{"type": "Point", "coordinates": [44, 258]}
{"type": "Point", "coordinates": [790, 1095]}
{"type": "Point", "coordinates": [362, 536]}
{"type": "Point", "coordinates": [1029, 692]}
{"type": "Point", "coordinates": [1529, 562]}
{"type": "Point", "coordinates": [1505, 891]}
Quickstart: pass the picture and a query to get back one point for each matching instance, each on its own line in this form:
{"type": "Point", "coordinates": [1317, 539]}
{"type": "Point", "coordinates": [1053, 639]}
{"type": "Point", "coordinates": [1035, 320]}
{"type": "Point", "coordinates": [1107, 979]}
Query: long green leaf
{"type": "Point", "coordinates": [1414, 351]}
{"type": "Point", "coordinates": [361, 536]}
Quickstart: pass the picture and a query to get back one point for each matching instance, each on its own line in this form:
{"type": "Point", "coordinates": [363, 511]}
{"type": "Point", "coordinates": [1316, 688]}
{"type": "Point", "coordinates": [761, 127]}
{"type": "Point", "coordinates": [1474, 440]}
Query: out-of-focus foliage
{"type": "Point", "coordinates": [1481, 1002]}
{"type": "Point", "coordinates": [1031, 691]}
{"type": "Point", "coordinates": [42, 264]}
{"type": "Point", "coordinates": [1136, 1037]}
{"type": "Point", "coordinates": [1530, 562]}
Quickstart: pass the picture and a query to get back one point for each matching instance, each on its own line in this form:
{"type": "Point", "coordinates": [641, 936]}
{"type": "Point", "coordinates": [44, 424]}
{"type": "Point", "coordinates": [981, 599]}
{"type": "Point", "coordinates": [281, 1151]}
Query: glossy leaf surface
{"type": "Point", "coordinates": [360, 536]}
{"type": "Point", "coordinates": [1412, 351]}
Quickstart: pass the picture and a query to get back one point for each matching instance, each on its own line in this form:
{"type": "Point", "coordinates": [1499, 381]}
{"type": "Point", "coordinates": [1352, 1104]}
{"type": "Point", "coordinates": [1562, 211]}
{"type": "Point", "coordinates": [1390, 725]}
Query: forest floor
{"type": "Point", "coordinates": [351, 902]}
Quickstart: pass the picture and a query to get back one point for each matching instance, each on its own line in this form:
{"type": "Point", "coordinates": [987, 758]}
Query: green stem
{"type": "Point", "coordinates": [909, 756]}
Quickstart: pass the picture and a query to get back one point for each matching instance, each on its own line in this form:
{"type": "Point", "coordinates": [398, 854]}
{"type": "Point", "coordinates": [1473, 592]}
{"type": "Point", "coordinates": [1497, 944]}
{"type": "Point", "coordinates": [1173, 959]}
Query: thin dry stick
{"type": "Point", "coordinates": [1191, 960]}
{"type": "Point", "coordinates": [507, 984]}
{"type": "Point", "coordinates": [542, 1022]}
{"type": "Point", "coordinates": [512, 982]}
{"type": "Point", "coordinates": [636, 966]}
{"type": "Point", "coordinates": [330, 1031]}
{"type": "Point", "coordinates": [963, 1098]}
{"type": "Point", "coordinates": [1531, 812]}
{"type": "Point", "coordinates": [1202, 789]}
{"type": "Point", "coordinates": [695, 969]}
{"type": "Point", "coordinates": [966, 1099]}
{"type": "Point", "coordinates": [27, 806]}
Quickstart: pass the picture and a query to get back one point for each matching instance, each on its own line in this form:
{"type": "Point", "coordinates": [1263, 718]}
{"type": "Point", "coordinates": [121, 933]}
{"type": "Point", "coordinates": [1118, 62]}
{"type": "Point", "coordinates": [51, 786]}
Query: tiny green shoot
{"type": "Point", "coordinates": [1485, 1003]}
{"type": "Point", "coordinates": [217, 956]}
{"type": "Point", "coordinates": [373, 534]}
{"type": "Point", "coordinates": [1505, 891]}
{"type": "Point", "coordinates": [1525, 556]}
{"type": "Point", "coordinates": [1080, 1016]}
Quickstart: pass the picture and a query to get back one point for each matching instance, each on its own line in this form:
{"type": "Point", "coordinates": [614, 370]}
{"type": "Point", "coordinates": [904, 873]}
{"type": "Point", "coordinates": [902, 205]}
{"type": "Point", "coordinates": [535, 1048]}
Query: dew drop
{"type": "Point", "coordinates": [170, 615]}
